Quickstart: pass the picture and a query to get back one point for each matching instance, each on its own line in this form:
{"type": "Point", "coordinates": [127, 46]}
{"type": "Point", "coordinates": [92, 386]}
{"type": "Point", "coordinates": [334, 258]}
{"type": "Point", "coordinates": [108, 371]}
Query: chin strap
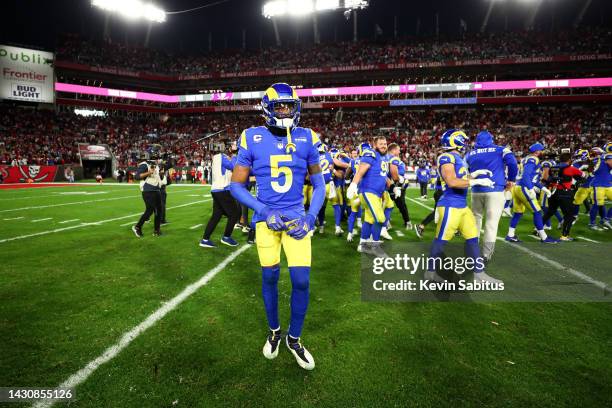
{"type": "Point", "coordinates": [291, 147]}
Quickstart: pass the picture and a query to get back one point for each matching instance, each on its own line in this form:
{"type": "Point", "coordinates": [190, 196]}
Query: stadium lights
{"type": "Point", "coordinates": [297, 8]}
{"type": "Point", "coordinates": [132, 9]}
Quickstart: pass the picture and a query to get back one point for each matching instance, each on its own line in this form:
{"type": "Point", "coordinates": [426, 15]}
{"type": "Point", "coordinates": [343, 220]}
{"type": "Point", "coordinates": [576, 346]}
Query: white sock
{"type": "Point", "coordinates": [542, 234]}
{"type": "Point", "coordinates": [511, 231]}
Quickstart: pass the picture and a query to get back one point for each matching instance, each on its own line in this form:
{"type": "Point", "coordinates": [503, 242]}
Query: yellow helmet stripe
{"type": "Point", "coordinates": [272, 94]}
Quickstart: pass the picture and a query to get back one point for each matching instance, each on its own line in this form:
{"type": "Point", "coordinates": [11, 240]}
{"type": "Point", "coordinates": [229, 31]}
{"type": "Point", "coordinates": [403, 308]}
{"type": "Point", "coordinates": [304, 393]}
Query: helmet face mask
{"type": "Point", "coordinates": [281, 107]}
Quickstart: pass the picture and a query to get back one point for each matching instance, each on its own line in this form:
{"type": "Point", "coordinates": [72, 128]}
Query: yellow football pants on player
{"type": "Point", "coordinates": [387, 201]}
{"type": "Point", "coordinates": [373, 208]}
{"type": "Point", "coordinates": [339, 198]}
{"type": "Point", "coordinates": [601, 194]}
{"type": "Point", "coordinates": [582, 193]}
{"type": "Point", "coordinates": [269, 243]}
{"type": "Point", "coordinates": [522, 201]}
{"type": "Point", "coordinates": [450, 220]}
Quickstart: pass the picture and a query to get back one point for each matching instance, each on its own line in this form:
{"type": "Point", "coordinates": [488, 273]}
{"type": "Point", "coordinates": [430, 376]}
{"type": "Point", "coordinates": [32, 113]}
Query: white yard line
{"type": "Point", "coordinates": [588, 239]}
{"type": "Point", "coordinates": [81, 225]}
{"type": "Point", "coordinates": [12, 219]}
{"type": "Point", "coordinates": [71, 203]}
{"type": "Point", "coordinates": [555, 264]}
{"type": "Point", "coordinates": [67, 221]}
{"type": "Point", "coordinates": [80, 376]}
{"type": "Point", "coordinates": [195, 226]}
{"type": "Point", "coordinates": [42, 219]}
{"type": "Point", "coordinates": [127, 223]}
{"type": "Point", "coordinates": [399, 233]}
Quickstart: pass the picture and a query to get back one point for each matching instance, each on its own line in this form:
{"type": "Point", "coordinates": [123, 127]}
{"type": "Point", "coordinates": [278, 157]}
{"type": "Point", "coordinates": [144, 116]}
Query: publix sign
{"type": "Point", "coordinates": [26, 74]}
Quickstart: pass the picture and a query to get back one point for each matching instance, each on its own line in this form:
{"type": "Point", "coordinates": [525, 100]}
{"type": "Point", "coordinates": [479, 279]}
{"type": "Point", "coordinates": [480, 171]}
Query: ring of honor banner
{"type": "Point", "coordinates": [26, 75]}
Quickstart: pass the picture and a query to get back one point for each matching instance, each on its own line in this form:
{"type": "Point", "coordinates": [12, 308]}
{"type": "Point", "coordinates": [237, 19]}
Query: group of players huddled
{"type": "Point", "coordinates": [297, 176]}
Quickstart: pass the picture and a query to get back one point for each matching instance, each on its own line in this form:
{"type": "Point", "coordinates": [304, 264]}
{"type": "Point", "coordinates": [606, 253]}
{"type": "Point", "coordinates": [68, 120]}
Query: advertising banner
{"type": "Point", "coordinates": [94, 152]}
{"type": "Point", "coordinates": [26, 75]}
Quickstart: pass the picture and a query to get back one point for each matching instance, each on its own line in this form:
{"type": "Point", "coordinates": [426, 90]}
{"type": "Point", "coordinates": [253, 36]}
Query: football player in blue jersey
{"type": "Point", "coordinates": [370, 183]}
{"type": "Point", "coordinates": [279, 155]}
{"type": "Point", "coordinates": [452, 212]}
{"type": "Point", "coordinates": [326, 162]}
{"type": "Point", "coordinates": [354, 203]}
{"type": "Point", "coordinates": [340, 164]}
{"type": "Point", "coordinates": [525, 196]}
{"type": "Point", "coordinates": [547, 165]}
{"type": "Point", "coordinates": [607, 154]}
{"type": "Point", "coordinates": [602, 164]}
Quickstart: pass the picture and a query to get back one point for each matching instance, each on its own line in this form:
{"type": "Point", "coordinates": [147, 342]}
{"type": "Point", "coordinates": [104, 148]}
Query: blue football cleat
{"type": "Point", "coordinates": [549, 240]}
{"type": "Point", "coordinates": [207, 243]}
{"type": "Point", "coordinates": [229, 241]}
{"type": "Point", "coordinates": [512, 239]}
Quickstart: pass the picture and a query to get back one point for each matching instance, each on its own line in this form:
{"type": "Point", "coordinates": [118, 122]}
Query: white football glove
{"type": "Point", "coordinates": [531, 194]}
{"type": "Point", "coordinates": [332, 191]}
{"type": "Point", "coordinates": [397, 191]}
{"type": "Point", "coordinates": [482, 172]}
{"type": "Point", "coordinates": [508, 195]}
{"type": "Point", "coordinates": [546, 191]}
{"type": "Point", "coordinates": [401, 179]}
{"type": "Point", "coordinates": [351, 191]}
{"type": "Point", "coordinates": [485, 182]}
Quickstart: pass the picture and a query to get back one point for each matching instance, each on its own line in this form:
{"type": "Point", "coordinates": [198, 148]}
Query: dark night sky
{"type": "Point", "coordinates": [38, 23]}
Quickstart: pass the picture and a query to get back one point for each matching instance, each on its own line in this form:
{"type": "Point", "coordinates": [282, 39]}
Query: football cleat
{"type": "Point", "coordinates": [483, 277]}
{"type": "Point", "coordinates": [302, 356]}
{"type": "Point", "coordinates": [137, 231]}
{"type": "Point", "coordinates": [606, 225]}
{"type": "Point", "coordinates": [229, 241]}
{"type": "Point", "coordinates": [419, 229]}
{"type": "Point", "coordinates": [433, 276]}
{"type": "Point", "coordinates": [408, 225]}
{"type": "Point", "coordinates": [512, 239]}
{"type": "Point", "coordinates": [385, 234]}
{"type": "Point", "coordinates": [547, 228]}
{"type": "Point", "coordinates": [207, 243]}
{"type": "Point", "coordinates": [565, 239]}
{"type": "Point", "coordinates": [339, 231]}
{"type": "Point", "coordinates": [246, 229]}
{"type": "Point", "coordinates": [321, 229]}
{"type": "Point", "coordinates": [157, 233]}
{"type": "Point", "coordinates": [377, 249]}
{"type": "Point", "coordinates": [270, 349]}
{"type": "Point", "coordinates": [349, 237]}
{"type": "Point", "coordinates": [549, 240]}
{"type": "Point", "coordinates": [595, 227]}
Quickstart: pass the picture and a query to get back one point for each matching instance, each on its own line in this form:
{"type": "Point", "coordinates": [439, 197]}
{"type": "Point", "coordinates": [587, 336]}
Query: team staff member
{"type": "Point", "coordinates": [223, 202]}
{"type": "Point", "coordinates": [150, 185]}
{"type": "Point", "coordinates": [423, 176]}
{"type": "Point", "coordinates": [398, 169]}
{"type": "Point", "coordinates": [562, 182]}
{"type": "Point", "coordinates": [493, 161]}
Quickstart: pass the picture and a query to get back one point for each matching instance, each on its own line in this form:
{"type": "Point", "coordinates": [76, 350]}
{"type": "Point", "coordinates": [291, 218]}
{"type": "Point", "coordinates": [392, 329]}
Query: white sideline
{"type": "Point", "coordinates": [576, 273]}
{"type": "Point", "coordinates": [85, 224]}
{"type": "Point", "coordinates": [195, 226]}
{"type": "Point", "coordinates": [590, 240]}
{"type": "Point", "coordinates": [42, 219]}
{"type": "Point", "coordinates": [72, 203]}
{"type": "Point", "coordinates": [111, 352]}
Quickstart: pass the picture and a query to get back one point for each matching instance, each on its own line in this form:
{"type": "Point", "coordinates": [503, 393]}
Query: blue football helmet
{"type": "Point", "coordinates": [596, 151]}
{"type": "Point", "coordinates": [536, 147]}
{"type": "Point", "coordinates": [322, 148]}
{"type": "Point", "coordinates": [608, 147]}
{"type": "Point", "coordinates": [283, 96]}
{"type": "Point", "coordinates": [363, 147]}
{"type": "Point", "coordinates": [454, 139]}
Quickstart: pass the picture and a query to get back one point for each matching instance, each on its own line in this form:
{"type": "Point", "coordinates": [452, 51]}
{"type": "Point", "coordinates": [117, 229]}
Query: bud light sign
{"type": "Point", "coordinates": [26, 75]}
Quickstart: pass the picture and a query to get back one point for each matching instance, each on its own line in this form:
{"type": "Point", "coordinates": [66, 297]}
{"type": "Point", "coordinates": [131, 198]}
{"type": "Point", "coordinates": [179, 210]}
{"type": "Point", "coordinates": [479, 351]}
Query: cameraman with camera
{"type": "Point", "coordinates": [166, 172]}
{"type": "Point", "coordinates": [150, 185]}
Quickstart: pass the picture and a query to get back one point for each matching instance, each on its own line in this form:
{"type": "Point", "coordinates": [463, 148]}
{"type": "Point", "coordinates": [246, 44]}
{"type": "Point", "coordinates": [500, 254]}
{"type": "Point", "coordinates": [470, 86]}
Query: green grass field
{"type": "Point", "coordinates": [75, 280]}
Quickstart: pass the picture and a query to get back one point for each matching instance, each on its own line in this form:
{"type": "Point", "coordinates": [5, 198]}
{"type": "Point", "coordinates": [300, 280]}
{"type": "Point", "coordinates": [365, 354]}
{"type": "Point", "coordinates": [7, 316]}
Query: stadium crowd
{"type": "Point", "coordinates": [470, 46]}
{"type": "Point", "coordinates": [47, 137]}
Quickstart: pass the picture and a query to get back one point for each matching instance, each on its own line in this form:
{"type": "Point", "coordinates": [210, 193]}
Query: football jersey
{"type": "Point", "coordinates": [601, 171]}
{"type": "Point", "coordinates": [279, 175]}
{"type": "Point", "coordinates": [495, 159]}
{"type": "Point", "coordinates": [531, 172]}
{"type": "Point", "coordinates": [326, 162]}
{"type": "Point", "coordinates": [401, 166]}
{"type": "Point", "coordinates": [375, 179]}
{"type": "Point", "coordinates": [339, 181]}
{"type": "Point", "coordinates": [422, 175]}
{"type": "Point", "coordinates": [453, 197]}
